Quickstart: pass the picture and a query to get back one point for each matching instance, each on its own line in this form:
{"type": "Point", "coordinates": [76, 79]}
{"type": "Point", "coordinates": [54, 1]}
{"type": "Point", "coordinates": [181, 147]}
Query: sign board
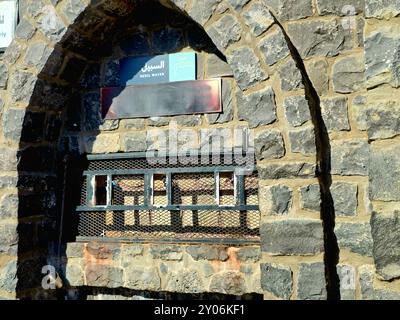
{"type": "Point", "coordinates": [158, 69]}
{"type": "Point", "coordinates": [8, 22]}
{"type": "Point", "coordinates": [163, 99]}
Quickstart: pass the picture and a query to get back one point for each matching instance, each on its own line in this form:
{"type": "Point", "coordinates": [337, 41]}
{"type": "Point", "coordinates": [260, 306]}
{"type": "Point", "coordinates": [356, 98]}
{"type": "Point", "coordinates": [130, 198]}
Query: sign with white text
{"type": "Point", "coordinates": [158, 69]}
{"type": "Point", "coordinates": [8, 22]}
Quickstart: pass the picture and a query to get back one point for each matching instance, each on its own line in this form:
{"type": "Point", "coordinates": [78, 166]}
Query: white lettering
{"type": "Point", "coordinates": [150, 68]}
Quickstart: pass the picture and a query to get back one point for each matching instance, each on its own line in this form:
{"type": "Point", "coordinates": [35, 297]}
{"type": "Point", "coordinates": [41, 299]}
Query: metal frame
{"type": "Point", "coordinates": [148, 186]}
{"type": "Point", "coordinates": [147, 173]}
{"type": "Point", "coordinates": [224, 241]}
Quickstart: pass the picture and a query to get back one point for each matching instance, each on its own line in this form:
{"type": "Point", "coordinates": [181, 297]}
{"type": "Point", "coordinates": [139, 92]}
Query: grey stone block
{"type": "Point", "coordinates": [135, 142]}
{"type": "Point", "coordinates": [188, 120]}
{"type": "Point", "coordinates": [269, 144]}
{"type": "Point", "coordinates": [249, 254]}
{"type": "Point", "coordinates": [257, 108]}
{"type": "Point", "coordinates": [338, 7]}
{"type": "Point", "coordinates": [8, 181]}
{"type": "Point", "coordinates": [319, 37]}
{"type": "Point", "coordinates": [290, 9]}
{"type": "Point", "coordinates": [3, 75]}
{"type": "Point", "coordinates": [74, 275]}
{"type": "Point", "coordinates": [287, 170]}
{"type": "Point", "coordinates": [205, 252]}
{"type": "Point", "coordinates": [54, 30]}
{"type": "Point", "coordinates": [348, 74]}
{"type": "Point", "coordinates": [13, 52]}
{"type": "Point", "coordinates": [258, 19]}
{"type": "Point", "coordinates": [185, 281]}
{"type": "Point", "coordinates": [360, 31]}
{"type": "Point", "coordinates": [246, 67]}
{"type": "Point", "coordinates": [297, 111]}
{"type": "Point", "coordinates": [166, 252]}
{"type": "Point", "coordinates": [228, 282]}
{"type": "Point", "coordinates": [384, 177]}
{"type": "Point", "coordinates": [334, 114]}
{"type": "Point", "coordinates": [98, 275]}
{"type": "Point", "coordinates": [8, 239]}
{"type": "Point", "coordinates": [381, 119]}
{"type": "Point", "coordinates": [290, 75]}
{"type": "Point", "coordinates": [303, 141]}
{"type": "Point", "coordinates": [274, 46]}
{"type": "Point", "coordinates": [217, 67]}
{"type": "Point", "coordinates": [225, 31]}
{"type": "Point", "coordinates": [203, 10]}
{"type": "Point", "coordinates": [13, 120]}
{"type": "Point", "coordinates": [74, 250]}
{"type": "Point", "coordinates": [311, 284]}
{"type": "Point", "coordinates": [347, 278]}
{"type": "Point", "coordinates": [21, 85]}
{"type": "Point", "coordinates": [344, 198]}
{"type": "Point", "coordinates": [37, 55]}
{"type": "Point", "coordinates": [310, 197]}
{"type": "Point", "coordinates": [9, 206]}
{"type": "Point", "coordinates": [382, 8]}
{"type": "Point", "coordinates": [385, 228]}
{"type": "Point", "coordinates": [292, 237]}
{"type": "Point", "coordinates": [238, 4]}
{"type": "Point", "coordinates": [350, 157]}
{"type": "Point", "coordinates": [133, 123]}
{"type": "Point", "coordinates": [8, 159]}
{"type": "Point", "coordinates": [142, 278]}
{"type": "Point", "coordinates": [8, 277]}
{"type": "Point", "coordinates": [317, 70]}
{"type": "Point", "coordinates": [355, 237]}
{"type": "Point", "coordinates": [277, 279]}
{"type": "Point", "coordinates": [73, 8]}
{"type": "Point", "coordinates": [279, 199]}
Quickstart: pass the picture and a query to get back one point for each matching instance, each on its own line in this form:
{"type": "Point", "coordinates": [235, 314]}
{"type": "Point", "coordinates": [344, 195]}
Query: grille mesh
{"type": "Point", "coordinates": [186, 188]}
{"type": "Point", "coordinates": [193, 188]}
{"type": "Point", "coordinates": [164, 162]}
{"type": "Point", "coordinates": [170, 225]}
{"type": "Point", "coordinates": [128, 190]}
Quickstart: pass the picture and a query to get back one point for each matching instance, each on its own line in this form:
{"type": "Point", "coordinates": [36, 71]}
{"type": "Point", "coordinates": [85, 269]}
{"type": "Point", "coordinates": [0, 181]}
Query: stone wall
{"type": "Point", "coordinates": [382, 60]}
{"type": "Point", "coordinates": [192, 269]}
{"type": "Point", "coordinates": [305, 78]}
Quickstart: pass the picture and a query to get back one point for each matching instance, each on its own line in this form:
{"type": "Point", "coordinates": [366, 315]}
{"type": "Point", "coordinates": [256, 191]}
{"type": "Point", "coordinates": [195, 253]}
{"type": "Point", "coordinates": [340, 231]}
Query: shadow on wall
{"type": "Point", "coordinates": [50, 161]}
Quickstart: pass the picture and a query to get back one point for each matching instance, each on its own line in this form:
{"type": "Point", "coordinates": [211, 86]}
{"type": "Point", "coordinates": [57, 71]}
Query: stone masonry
{"type": "Point", "coordinates": [316, 86]}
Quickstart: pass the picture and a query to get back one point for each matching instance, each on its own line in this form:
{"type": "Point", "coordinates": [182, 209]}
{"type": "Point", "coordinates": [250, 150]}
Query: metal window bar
{"type": "Point", "coordinates": [195, 207]}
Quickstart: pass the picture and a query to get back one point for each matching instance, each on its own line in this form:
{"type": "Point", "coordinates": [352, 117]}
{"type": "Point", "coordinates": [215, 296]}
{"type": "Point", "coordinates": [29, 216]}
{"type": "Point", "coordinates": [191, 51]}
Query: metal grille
{"type": "Point", "coordinates": [251, 188]}
{"type": "Point", "coordinates": [171, 225]}
{"type": "Point", "coordinates": [167, 162]}
{"type": "Point", "coordinates": [128, 190]}
{"type": "Point", "coordinates": [167, 202]}
{"type": "Point", "coordinates": [193, 188]}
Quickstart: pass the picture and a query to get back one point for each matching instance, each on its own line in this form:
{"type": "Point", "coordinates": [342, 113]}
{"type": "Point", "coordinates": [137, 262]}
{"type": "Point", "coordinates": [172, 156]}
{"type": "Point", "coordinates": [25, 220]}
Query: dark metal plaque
{"type": "Point", "coordinates": [164, 99]}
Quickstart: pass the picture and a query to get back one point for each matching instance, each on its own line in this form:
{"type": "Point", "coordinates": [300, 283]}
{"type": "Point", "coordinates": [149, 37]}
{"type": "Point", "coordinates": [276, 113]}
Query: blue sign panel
{"type": "Point", "coordinates": [144, 70]}
{"type": "Point", "coordinates": [182, 66]}
{"type": "Point", "coordinates": [158, 69]}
